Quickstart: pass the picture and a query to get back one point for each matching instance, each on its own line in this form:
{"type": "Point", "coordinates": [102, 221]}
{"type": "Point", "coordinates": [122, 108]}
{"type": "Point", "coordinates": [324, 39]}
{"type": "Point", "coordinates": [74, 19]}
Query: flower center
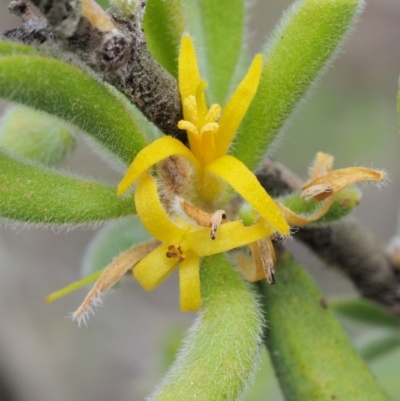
{"type": "Point", "coordinates": [201, 126]}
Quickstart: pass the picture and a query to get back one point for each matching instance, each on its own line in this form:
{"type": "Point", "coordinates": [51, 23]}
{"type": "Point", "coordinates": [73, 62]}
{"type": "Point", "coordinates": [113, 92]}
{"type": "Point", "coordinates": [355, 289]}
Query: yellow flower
{"type": "Point", "coordinates": [183, 243]}
{"type": "Point", "coordinates": [209, 141]}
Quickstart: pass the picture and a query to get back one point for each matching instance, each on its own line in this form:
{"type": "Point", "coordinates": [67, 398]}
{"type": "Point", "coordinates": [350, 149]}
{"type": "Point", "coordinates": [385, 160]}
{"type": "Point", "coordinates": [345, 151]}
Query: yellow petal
{"type": "Point", "coordinates": [250, 270]}
{"type": "Point", "coordinates": [158, 150]}
{"type": "Point", "coordinates": [189, 284]}
{"type": "Point", "coordinates": [189, 74]}
{"type": "Point", "coordinates": [230, 235]}
{"type": "Point", "coordinates": [339, 179]}
{"type": "Point", "coordinates": [245, 183]}
{"type": "Point", "coordinates": [153, 269]}
{"type": "Point", "coordinates": [237, 106]}
{"type": "Point", "coordinates": [151, 212]}
{"type": "Point", "coordinates": [298, 220]}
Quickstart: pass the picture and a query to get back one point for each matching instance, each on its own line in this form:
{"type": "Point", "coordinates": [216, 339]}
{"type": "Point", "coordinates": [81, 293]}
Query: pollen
{"type": "Point", "coordinates": [175, 252]}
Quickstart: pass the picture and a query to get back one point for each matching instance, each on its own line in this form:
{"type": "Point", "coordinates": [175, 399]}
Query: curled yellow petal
{"type": "Point", "coordinates": [339, 179]}
{"type": "Point", "coordinates": [250, 270]}
{"type": "Point", "coordinates": [189, 284]}
{"type": "Point", "coordinates": [298, 220]}
{"type": "Point", "coordinates": [245, 183]}
{"type": "Point", "coordinates": [237, 106]}
{"type": "Point", "coordinates": [152, 213]}
{"type": "Point", "coordinates": [154, 268]}
{"type": "Point", "coordinates": [158, 150]}
{"type": "Point", "coordinates": [230, 236]}
{"type": "Point", "coordinates": [189, 74]}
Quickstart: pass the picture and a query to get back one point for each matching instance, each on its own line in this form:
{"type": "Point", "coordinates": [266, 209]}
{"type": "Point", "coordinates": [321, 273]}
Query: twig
{"type": "Point", "coordinates": [33, 31]}
{"type": "Point", "coordinates": [346, 245]}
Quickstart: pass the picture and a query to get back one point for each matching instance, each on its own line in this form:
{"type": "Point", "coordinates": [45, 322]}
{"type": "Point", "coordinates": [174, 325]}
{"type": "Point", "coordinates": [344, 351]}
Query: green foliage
{"type": "Point", "coordinates": [380, 346]}
{"type": "Point", "coordinates": [221, 351]}
{"type": "Point", "coordinates": [35, 136]}
{"type": "Point", "coordinates": [30, 193]}
{"type": "Point", "coordinates": [163, 25]}
{"type": "Point", "coordinates": [312, 356]}
{"type": "Point", "coordinates": [301, 47]}
{"type": "Point", "coordinates": [74, 96]}
{"type": "Point", "coordinates": [218, 30]}
{"type": "Point", "coordinates": [364, 311]}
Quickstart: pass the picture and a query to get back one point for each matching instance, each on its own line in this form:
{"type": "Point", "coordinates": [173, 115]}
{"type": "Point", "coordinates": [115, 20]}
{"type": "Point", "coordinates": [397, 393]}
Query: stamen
{"type": "Point", "coordinates": [213, 113]}
{"type": "Point", "coordinates": [190, 109]}
{"type": "Point", "coordinates": [188, 126]}
{"type": "Point", "coordinates": [217, 218]}
{"type": "Point", "coordinates": [176, 252]}
{"type": "Point", "coordinates": [202, 218]}
{"type": "Point", "coordinates": [201, 102]}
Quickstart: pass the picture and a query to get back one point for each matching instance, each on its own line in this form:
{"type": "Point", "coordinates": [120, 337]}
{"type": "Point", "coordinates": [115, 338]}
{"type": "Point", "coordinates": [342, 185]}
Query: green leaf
{"type": "Point", "coordinates": [71, 94]}
{"type": "Point", "coordinates": [218, 31]}
{"type": "Point", "coordinates": [344, 202]}
{"type": "Point", "coordinates": [364, 311]}
{"type": "Point", "coordinates": [301, 47]}
{"type": "Point", "coordinates": [398, 104]}
{"type": "Point", "coordinates": [379, 347]}
{"type": "Point", "coordinates": [113, 239]}
{"type": "Point", "coordinates": [13, 49]}
{"type": "Point", "coordinates": [32, 194]}
{"type": "Point", "coordinates": [220, 354]}
{"type": "Point", "coordinates": [35, 136]}
{"type": "Point", "coordinates": [163, 26]}
{"type": "Point", "coordinates": [313, 358]}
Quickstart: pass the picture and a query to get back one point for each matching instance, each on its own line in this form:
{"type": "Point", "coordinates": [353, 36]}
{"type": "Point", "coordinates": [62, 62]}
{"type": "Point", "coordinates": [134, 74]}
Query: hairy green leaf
{"type": "Point", "coordinates": [218, 31]}
{"type": "Point", "coordinates": [71, 94]}
{"type": "Point", "coordinates": [36, 136]}
{"type": "Point", "coordinates": [13, 49]}
{"type": "Point", "coordinates": [221, 351]}
{"type": "Point", "coordinates": [33, 194]}
{"type": "Point", "coordinates": [301, 47]}
{"type": "Point", "coordinates": [163, 25]}
{"type": "Point", "coordinates": [313, 358]}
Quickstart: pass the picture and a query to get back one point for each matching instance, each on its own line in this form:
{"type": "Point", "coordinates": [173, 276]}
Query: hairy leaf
{"type": "Point", "coordinates": [67, 92]}
{"type": "Point", "coordinates": [32, 194]}
{"type": "Point", "coordinates": [301, 47]}
{"type": "Point", "coordinates": [218, 31]}
{"type": "Point", "coordinates": [163, 25]}
{"type": "Point", "coordinates": [312, 356]}
{"type": "Point", "coordinates": [221, 351]}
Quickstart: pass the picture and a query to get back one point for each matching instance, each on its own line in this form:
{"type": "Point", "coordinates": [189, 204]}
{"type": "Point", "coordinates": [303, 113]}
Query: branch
{"type": "Point", "coordinates": [33, 31]}
{"type": "Point", "coordinates": [345, 244]}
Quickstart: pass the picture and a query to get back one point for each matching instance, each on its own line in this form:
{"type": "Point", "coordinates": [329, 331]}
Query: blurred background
{"type": "Point", "coordinates": [124, 351]}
